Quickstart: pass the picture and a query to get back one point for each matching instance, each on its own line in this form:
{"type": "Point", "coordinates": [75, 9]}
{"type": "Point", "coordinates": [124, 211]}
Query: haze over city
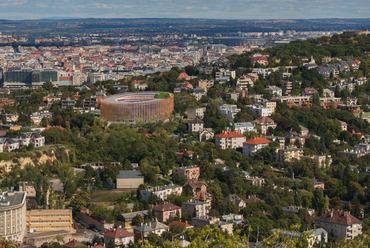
{"type": "Point", "coordinates": [217, 9]}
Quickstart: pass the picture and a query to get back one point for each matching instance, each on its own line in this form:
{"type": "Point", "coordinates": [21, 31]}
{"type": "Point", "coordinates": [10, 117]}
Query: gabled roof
{"type": "Point", "coordinates": [257, 141]}
{"type": "Point", "coordinates": [50, 127]}
{"type": "Point", "coordinates": [262, 120]}
{"type": "Point", "coordinates": [196, 120]}
{"type": "Point", "coordinates": [188, 152]}
{"type": "Point", "coordinates": [229, 134]}
{"type": "Point", "coordinates": [183, 75]}
{"type": "Point", "coordinates": [74, 243]}
{"type": "Point", "coordinates": [118, 232]}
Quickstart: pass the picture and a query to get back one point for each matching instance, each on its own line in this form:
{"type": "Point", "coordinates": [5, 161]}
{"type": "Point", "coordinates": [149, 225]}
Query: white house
{"type": "Point", "coordinates": [119, 236]}
{"type": "Point", "coordinates": [252, 146]}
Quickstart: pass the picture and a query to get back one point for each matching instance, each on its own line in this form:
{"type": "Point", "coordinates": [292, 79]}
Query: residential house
{"type": "Point", "coordinates": [161, 191]}
{"type": "Point", "coordinates": [351, 154]}
{"type": "Point", "coordinates": [274, 90]}
{"type": "Point", "coordinates": [292, 136]}
{"type": "Point", "coordinates": [229, 110]}
{"type": "Point", "coordinates": [343, 125]}
{"type": "Point", "coordinates": [195, 125]}
{"type": "Point", "coordinates": [220, 165]}
{"type": "Point", "coordinates": [287, 154]}
{"type": "Point", "coordinates": [191, 172]}
{"type": "Point", "coordinates": [185, 155]}
{"type": "Point", "coordinates": [196, 112]}
{"type": "Point", "coordinates": [200, 208]}
{"type": "Point", "coordinates": [295, 210]}
{"type": "Point", "coordinates": [340, 224]}
{"type": "Point", "coordinates": [252, 146]}
{"type": "Point", "coordinates": [205, 84]}
{"type": "Point", "coordinates": [10, 117]}
{"type": "Point", "coordinates": [316, 237]}
{"type": "Point", "coordinates": [68, 102]}
{"type": "Point", "coordinates": [244, 82]}
{"type": "Point", "coordinates": [203, 221]}
{"type": "Point", "coordinates": [236, 200]}
{"type": "Point", "coordinates": [199, 190]}
{"type": "Point", "coordinates": [263, 123]}
{"type": "Point", "coordinates": [128, 180]}
{"type": "Point", "coordinates": [262, 60]}
{"type": "Point", "coordinates": [232, 96]}
{"type": "Point", "coordinates": [324, 161]}
{"type": "Point", "coordinates": [206, 134]}
{"type": "Point", "coordinates": [166, 210]}
{"type": "Point", "coordinates": [198, 93]}
{"type": "Point", "coordinates": [255, 181]}
{"type": "Point", "coordinates": [328, 93]}
{"type": "Point", "coordinates": [234, 218]}
{"type": "Point", "coordinates": [260, 110]}
{"type": "Point", "coordinates": [37, 117]}
{"type": "Point", "coordinates": [142, 232]}
{"type": "Point", "coordinates": [252, 198]}
{"type": "Point", "coordinates": [119, 236]}
{"type": "Point", "coordinates": [73, 243]}
{"type": "Point", "coordinates": [304, 131]}
{"type": "Point", "coordinates": [242, 127]}
{"type": "Point", "coordinates": [159, 228]}
{"type": "Point", "coordinates": [127, 218]}
{"type": "Point", "coordinates": [230, 139]}
{"type": "Point", "coordinates": [92, 101]}
{"type": "Point", "coordinates": [309, 91]}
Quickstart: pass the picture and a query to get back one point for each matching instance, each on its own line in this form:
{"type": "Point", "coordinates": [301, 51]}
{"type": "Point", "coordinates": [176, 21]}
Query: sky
{"type": "Point", "coordinates": [211, 9]}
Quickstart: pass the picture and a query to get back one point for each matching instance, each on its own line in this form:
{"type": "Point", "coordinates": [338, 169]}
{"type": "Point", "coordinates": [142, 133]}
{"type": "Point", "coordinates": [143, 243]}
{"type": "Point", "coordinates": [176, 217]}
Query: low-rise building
{"type": "Point", "coordinates": [10, 117]}
{"type": "Point", "coordinates": [252, 146]}
{"type": "Point", "coordinates": [129, 180]}
{"type": "Point", "coordinates": [68, 102]}
{"type": "Point", "coordinates": [261, 111]}
{"type": "Point", "coordinates": [195, 125]}
{"type": "Point", "coordinates": [191, 172]}
{"type": "Point", "coordinates": [340, 224]}
{"type": "Point", "coordinates": [37, 117]}
{"type": "Point", "coordinates": [316, 237]}
{"type": "Point", "coordinates": [309, 91]}
{"type": "Point", "coordinates": [351, 154]}
{"type": "Point", "coordinates": [295, 210]}
{"type": "Point", "coordinates": [239, 202]}
{"type": "Point", "coordinates": [203, 221]}
{"type": "Point", "coordinates": [167, 210]}
{"type": "Point", "coordinates": [243, 127]}
{"type": "Point", "coordinates": [263, 123]}
{"type": "Point", "coordinates": [205, 84]}
{"type": "Point", "coordinates": [324, 161]}
{"type": "Point", "coordinates": [274, 90]}
{"type": "Point", "coordinates": [230, 139]}
{"type": "Point", "coordinates": [127, 218]}
{"type": "Point", "coordinates": [119, 236]}
{"type": "Point", "coordinates": [48, 220]}
{"type": "Point", "coordinates": [198, 207]}
{"type": "Point", "coordinates": [206, 134]}
{"type": "Point", "coordinates": [142, 232]}
{"type": "Point", "coordinates": [185, 224]}
{"type": "Point", "coordinates": [255, 181]}
{"type": "Point", "coordinates": [235, 218]}
{"type": "Point", "coordinates": [232, 96]}
{"type": "Point", "coordinates": [196, 112]}
{"type": "Point", "coordinates": [287, 154]}
{"type": "Point", "coordinates": [229, 110]}
{"type": "Point", "coordinates": [162, 191]}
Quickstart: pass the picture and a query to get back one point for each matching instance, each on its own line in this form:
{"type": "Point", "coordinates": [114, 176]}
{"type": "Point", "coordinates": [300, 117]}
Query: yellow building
{"type": "Point", "coordinates": [47, 220]}
{"type": "Point", "coordinates": [288, 154]}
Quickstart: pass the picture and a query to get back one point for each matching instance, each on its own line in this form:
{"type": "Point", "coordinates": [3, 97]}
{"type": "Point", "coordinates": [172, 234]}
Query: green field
{"type": "Point", "coordinates": [106, 195]}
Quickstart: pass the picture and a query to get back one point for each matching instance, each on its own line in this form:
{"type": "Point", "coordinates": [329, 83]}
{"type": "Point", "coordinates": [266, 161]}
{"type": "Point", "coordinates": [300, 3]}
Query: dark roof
{"type": "Point", "coordinates": [129, 174]}
{"type": "Point", "coordinates": [74, 243]}
{"type": "Point", "coordinates": [339, 217]}
{"type": "Point", "coordinates": [197, 120]}
{"type": "Point", "coordinates": [144, 228]}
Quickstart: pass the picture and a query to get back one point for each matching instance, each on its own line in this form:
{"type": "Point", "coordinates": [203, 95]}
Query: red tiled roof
{"type": "Point", "coordinates": [118, 232]}
{"type": "Point", "coordinates": [252, 199]}
{"type": "Point", "coordinates": [308, 89]}
{"type": "Point", "coordinates": [50, 127]}
{"type": "Point", "coordinates": [136, 82]}
{"type": "Point", "coordinates": [338, 217]}
{"type": "Point", "coordinates": [166, 206]}
{"type": "Point", "coordinates": [262, 119]}
{"type": "Point", "coordinates": [230, 134]}
{"type": "Point", "coordinates": [180, 223]}
{"type": "Point", "coordinates": [257, 140]}
{"type": "Point", "coordinates": [65, 78]}
{"type": "Point", "coordinates": [182, 75]}
{"type": "Point", "coordinates": [260, 58]}
{"type": "Point", "coordinates": [188, 152]}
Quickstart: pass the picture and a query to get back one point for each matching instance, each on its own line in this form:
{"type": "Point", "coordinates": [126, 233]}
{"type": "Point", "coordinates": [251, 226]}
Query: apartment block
{"type": "Point", "coordinates": [47, 220]}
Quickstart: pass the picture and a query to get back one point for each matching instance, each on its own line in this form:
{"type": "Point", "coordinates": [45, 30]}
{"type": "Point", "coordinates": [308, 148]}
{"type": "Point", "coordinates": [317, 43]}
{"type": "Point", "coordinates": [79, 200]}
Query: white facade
{"type": "Point", "coordinates": [251, 150]}
{"type": "Point", "coordinates": [229, 110]}
{"type": "Point", "coordinates": [274, 90]}
{"type": "Point", "coordinates": [261, 111]}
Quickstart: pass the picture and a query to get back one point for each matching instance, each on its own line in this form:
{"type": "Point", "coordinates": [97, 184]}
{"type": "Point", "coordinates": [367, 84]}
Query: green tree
{"type": "Point", "coordinates": [82, 199]}
{"type": "Point", "coordinates": [137, 220]}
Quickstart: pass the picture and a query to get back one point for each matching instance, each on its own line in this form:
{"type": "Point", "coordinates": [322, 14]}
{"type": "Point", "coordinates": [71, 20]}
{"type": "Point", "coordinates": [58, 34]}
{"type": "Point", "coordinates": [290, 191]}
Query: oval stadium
{"type": "Point", "coordinates": [136, 107]}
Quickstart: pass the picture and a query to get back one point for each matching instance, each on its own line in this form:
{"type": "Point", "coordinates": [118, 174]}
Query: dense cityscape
{"type": "Point", "coordinates": [201, 133]}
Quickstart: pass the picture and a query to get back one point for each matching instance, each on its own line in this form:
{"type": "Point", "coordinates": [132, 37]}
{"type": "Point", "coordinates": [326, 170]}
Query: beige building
{"type": "Point", "coordinates": [340, 224]}
{"type": "Point", "coordinates": [206, 134]}
{"type": "Point", "coordinates": [12, 215]}
{"type": "Point", "coordinates": [288, 154]}
{"type": "Point", "coordinates": [191, 172]}
{"type": "Point", "coordinates": [255, 181]}
{"type": "Point", "coordinates": [230, 139]}
{"type": "Point", "coordinates": [47, 220]}
{"type": "Point", "coordinates": [128, 180]}
{"type": "Point", "coordinates": [323, 160]}
{"type": "Point", "coordinates": [263, 123]}
{"type": "Point", "coordinates": [351, 154]}
{"type": "Point", "coordinates": [208, 220]}
{"type": "Point", "coordinates": [205, 84]}
{"type": "Point", "coordinates": [200, 208]}
{"type": "Point", "coordinates": [195, 125]}
{"type": "Point", "coordinates": [232, 96]}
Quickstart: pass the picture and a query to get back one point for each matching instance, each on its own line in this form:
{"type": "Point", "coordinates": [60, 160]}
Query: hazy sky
{"type": "Point", "coordinates": [216, 9]}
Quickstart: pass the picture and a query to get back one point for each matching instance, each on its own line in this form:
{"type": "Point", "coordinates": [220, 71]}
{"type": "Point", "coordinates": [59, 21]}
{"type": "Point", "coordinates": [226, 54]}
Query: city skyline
{"type": "Point", "coordinates": [219, 9]}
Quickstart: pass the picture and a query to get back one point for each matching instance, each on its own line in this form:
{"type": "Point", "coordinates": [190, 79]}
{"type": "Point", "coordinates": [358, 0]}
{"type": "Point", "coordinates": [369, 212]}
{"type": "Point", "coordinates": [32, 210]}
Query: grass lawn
{"type": "Point", "coordinates": [106, 195]}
